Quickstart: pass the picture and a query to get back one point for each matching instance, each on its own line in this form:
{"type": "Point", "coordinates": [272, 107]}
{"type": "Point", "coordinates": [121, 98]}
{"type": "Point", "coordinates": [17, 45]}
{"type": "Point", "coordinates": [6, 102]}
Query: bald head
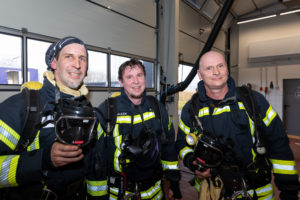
{"type": "Point", "coordinates": [211, 58]}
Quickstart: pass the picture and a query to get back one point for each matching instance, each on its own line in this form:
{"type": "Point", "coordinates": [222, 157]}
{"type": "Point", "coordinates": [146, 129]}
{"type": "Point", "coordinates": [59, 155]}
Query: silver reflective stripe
{"type": "Point", "coordinates": [8, 136]}
{"type": "Point", "coordinates": [5, 167]}
{"type": "Point", "coordinates": [97, 188]}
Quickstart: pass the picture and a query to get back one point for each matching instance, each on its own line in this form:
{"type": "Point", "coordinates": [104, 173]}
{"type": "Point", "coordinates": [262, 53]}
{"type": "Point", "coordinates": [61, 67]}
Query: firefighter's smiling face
{"type": "Point", "coordinates": [70, 65]}
{"type": "Point", "coordinates": [134, 83]}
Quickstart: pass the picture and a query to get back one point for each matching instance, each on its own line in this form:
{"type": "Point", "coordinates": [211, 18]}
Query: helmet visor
{"type": "Point", "coordinates": [74, 129]}
{"type": "Point", "coordinates": [208, 154]}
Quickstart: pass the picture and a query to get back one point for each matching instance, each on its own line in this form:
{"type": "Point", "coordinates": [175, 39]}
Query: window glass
{"type": "Point", "coordinates": [97, 69]}
{"type": "Point", "coordinates": [116, 61]}
{"type": "Point", "coordinates": [186, 95]}
{"type": "Point", "coordinates": [36, 59]}
{"type": "Point", "coordinates": [10, 59]}
{"type": "Point", "coordinates": [149, 67]}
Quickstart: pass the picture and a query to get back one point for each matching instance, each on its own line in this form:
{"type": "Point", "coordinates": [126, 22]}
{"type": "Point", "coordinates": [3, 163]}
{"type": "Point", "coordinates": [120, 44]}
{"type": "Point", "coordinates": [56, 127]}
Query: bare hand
{"type": "Point", "coordinates": [63, 154]}
{"type": "Point", "coordinates": [204, 174]}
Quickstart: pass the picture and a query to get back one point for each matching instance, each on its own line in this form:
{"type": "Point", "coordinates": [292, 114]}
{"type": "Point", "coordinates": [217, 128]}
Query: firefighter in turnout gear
{"type": "Point", "coordinates": [140, 147]}
{"type": "Point", "coordinates": [52, 165]}
{"type": "Point", "coordinates": [244, 149]}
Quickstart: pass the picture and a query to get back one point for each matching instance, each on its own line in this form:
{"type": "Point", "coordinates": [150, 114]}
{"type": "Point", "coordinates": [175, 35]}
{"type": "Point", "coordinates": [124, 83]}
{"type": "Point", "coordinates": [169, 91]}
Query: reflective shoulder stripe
{"type": "Point", "coordinates": [185, 151]}
{"type": "Point", "coordinates": [270, 115]}
{"type": "Point", "coordinates": [184, 127]}
{"type": "Point", "coordinates": [8, 170]}
{"type": "Point", "coordinates": [8, 136]}
{"type": "Point", "coordinates": [96, 188]}
{"type": "Point", "coordinates": [218, 111]}
{"type": "Point", "coordinates": [170, 165]}
{"type": "Point", "coordinates": [35, 144]}
{"type": "Point", "coordinates": [203, 112]}
{"type": "Point", "coordinates": [284, 166]}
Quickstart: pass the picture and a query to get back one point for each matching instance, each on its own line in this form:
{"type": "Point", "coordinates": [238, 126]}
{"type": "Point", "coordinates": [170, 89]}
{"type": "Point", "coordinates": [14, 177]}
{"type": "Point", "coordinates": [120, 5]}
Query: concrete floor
{"type": "Point", "coordinates": [189, 193]}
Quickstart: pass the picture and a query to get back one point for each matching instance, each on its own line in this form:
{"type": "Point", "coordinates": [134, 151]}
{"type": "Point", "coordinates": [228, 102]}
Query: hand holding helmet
{"type": "Point", "coordinates": [208, 150]}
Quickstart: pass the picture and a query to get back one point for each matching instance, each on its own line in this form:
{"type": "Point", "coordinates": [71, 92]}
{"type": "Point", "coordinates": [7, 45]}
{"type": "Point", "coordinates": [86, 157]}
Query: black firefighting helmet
{"type": "Point", "coordinates": [208, 151]}
{"type": "Point", "coordinates": [74, 122]}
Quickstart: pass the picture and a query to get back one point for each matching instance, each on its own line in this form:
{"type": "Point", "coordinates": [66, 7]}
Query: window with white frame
{"type": "Point", "coordinates": [184, 96]}
{"type": "Point", "coordinates": [10, 59]}
{"type": "Point", "coordinates": [97, 69]}
{"type": "Point", "coordinates": [117, 61]}
{"type": "Point", "coordinates": [36, 50]}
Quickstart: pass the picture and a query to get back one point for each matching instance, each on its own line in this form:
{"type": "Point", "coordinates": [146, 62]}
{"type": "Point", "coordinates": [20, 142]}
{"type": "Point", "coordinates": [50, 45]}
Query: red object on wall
{"type": "Point", "coordinates": [266, 90]}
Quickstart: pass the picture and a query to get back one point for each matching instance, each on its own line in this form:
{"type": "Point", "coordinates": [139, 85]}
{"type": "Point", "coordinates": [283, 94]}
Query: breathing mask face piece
{"type": "Point", "coordinates": [143, 149]}
{"type": "Point", "coordinates": [75, 124]}
{"type": "Point", "coordinates": [208, 152]}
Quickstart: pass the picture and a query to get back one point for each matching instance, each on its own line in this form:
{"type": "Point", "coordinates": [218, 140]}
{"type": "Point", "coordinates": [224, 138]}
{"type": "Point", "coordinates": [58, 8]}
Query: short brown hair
{"type": "Point", "coordinates": [132, 62]}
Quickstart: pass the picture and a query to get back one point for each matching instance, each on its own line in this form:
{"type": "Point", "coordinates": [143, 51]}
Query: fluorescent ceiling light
{"type": "Point", "coordinates": [256, 19]}
{"type": "Point", "coordinates": [290, 12]}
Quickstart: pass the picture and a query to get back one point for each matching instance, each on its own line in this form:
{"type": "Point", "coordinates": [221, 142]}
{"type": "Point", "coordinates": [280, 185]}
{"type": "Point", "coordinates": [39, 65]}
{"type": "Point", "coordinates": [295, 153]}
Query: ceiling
{"type": "Point", "coordinates": [243, 9]}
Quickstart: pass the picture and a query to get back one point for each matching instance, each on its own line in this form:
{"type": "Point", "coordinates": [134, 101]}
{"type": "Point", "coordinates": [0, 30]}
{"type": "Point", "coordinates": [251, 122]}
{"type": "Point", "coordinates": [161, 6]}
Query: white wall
{"type": "Point", "coordinates": [269, 29]}
{"type": "Point", "coordinates": [94, 25]}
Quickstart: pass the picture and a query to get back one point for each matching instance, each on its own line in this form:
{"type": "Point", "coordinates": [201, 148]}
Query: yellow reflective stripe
{"type": "Point", "coordinates": [118, 141]}
{"type": "Point", "coordinates": [35, 144]}
{"type": "Point", "coordinates": [8, 170]}
{"type": "Point", "coordinates": [203, 111]}
{"type": "Point", "coordinates": [8, 136]}
{"type": "Point", "coordinates": [197, 184]}
{"type": "Point", "coordinates": [147, 115]}
{"type": "Point", "coordinates": [264, 193]}
{"type": "Point", "coordinates": [218, 111]}
{"type": "Point", "coordinates": [241, 106]}
{"type": "Point", "coordinates": [149, 194]}
{"type": "Point", "coordinates": [99, 131]}
{"type": "Point", "coordinates": [170, 123]}
{"type": "Point", "coordinates": [270, 115]}
{"type": "Point", "coordinates": [169, 165]}
{"type": "Point", "coordinates": [252, 128]}
{"type": "Point", "coordinates": [124, 119]}
{"type": "Point", "coordinates": [96, 188]}
{"type": "Point", "coordinates": [185, 151]}
{"type": "Point", "coordinates": [284, 166]}
{"type": "Point", "coordinates": [114, 191]}
{"type": "Point", "coordinates": [184, 127]}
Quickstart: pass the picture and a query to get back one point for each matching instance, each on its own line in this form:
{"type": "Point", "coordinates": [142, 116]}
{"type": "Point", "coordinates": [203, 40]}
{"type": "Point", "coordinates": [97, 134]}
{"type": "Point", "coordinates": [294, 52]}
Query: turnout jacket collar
{"type": "Point", "coordinates": [229, 96]}
{"type": "Point", "coordinates": [128, 101]}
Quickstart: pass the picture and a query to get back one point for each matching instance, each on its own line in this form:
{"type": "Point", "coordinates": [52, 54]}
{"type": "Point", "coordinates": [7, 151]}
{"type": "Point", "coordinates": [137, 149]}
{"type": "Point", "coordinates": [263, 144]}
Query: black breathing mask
{"type": "Point", "coordinates": [208, 152]}
{"type": "Point", "coordinates": [142, 150]}
{"type": "Point", "coordinates": [74, 121]}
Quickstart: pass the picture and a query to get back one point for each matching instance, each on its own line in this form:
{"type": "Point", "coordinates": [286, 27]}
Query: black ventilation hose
{"type": "Point", "coordinates": [209, 43]}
